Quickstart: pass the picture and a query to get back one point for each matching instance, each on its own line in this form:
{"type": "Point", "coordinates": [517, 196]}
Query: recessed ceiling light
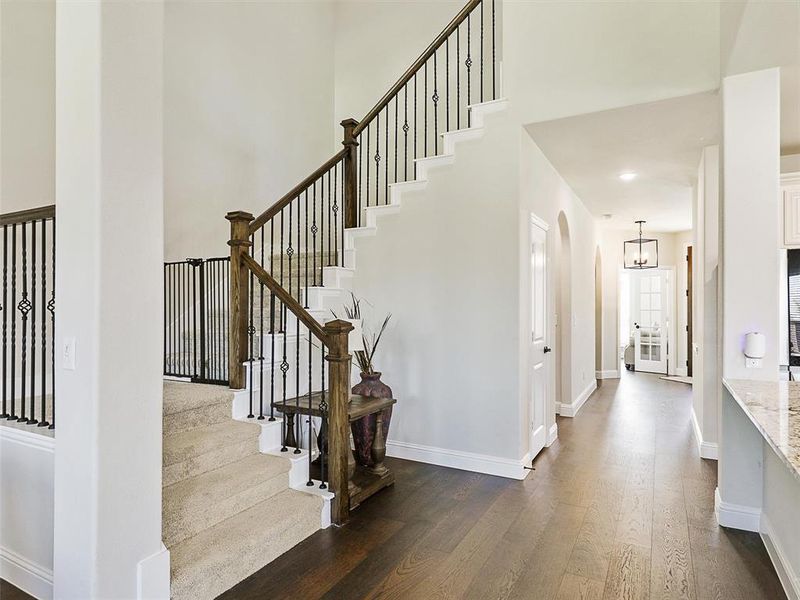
{"type": "Point", "coordinates": [627, 176]}
{"type": "Point", "coordinates": [607, 215]}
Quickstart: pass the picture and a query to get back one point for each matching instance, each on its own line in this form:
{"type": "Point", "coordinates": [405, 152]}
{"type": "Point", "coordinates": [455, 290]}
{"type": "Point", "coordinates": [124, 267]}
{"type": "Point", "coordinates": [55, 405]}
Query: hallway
{"type": "Point", "coordinates": [621, 506]}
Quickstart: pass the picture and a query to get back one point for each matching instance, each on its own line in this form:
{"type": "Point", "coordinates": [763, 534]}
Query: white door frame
{"type": "Point", "coordinates": [672, 330]}
{"type": "Point", "coordinates": [538, 435]}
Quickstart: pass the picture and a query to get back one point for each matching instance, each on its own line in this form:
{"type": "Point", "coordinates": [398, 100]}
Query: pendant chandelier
{"type": "Point", "coordinates": [640, 253]}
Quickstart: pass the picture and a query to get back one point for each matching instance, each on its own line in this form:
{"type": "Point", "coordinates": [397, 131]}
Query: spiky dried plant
{"type": "Point", "coordinates": [370, 340]}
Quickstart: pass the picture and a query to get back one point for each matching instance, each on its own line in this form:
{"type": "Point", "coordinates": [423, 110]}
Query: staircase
{"type": "Point", "coordinates": [232, 500]}
{"type": "Point", "coordinates": [228, 509]}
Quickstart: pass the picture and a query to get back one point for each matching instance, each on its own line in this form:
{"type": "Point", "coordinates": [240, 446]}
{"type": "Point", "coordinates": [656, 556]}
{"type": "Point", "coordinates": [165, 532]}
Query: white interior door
{"type": "Point", "coordinates": [539, 349]}
{"type": "Point", "coordinates": [651, 312]}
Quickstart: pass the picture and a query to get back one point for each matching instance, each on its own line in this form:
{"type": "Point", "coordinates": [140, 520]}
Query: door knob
{"type": "Point", "coordinates": [546, 349]}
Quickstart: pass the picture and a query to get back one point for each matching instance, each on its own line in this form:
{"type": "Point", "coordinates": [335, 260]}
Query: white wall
{"type": "Point", "coordinates": [751, 212]}
{"type": "Point", "coordinates": [375, 42]}
{"type": "Point", "coordinates": [707, 389]}
{"type": "Point", "coordinates": [451, 354]}
{"type": "Point", "coordinates": [242, 124]}
{"type": "Point", "coordinates": [456, 356]}
{"type": "Point", "coordinates": [750, 185]}
{"type": "Point", "coordinates": [544, 193]}
{"type": "Point", "coordinates": [650, 51]}
{"type": "Point", "coordinates": [27, 110]}
{"type": "Point", "coordinates": [26, 510]}
{"type": "Point", "coordinates": [107, 530]}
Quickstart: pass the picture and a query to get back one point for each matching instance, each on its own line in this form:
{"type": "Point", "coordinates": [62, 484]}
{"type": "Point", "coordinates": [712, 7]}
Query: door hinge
{"type": "Point", "coordinates": [687, 329]}
{"type": "Point", "coordinates": [687, 363]}
{"type": "Point", "coordinates": [687, 293]}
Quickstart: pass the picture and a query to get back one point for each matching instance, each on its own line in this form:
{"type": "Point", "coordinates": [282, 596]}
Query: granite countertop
{"type": "Point", "coordinates": [774, 408]}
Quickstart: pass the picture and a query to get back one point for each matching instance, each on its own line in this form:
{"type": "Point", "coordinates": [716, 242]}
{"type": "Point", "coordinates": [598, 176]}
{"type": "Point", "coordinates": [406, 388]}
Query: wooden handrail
{"type": "Point", "coordinates": [273, 210]}
{"type": "Point", "coordinates": [293, 305]}
{"type": "Point", "coordinates": [30, 214]}
{"type": "Point", "coordinates": [417, 65]}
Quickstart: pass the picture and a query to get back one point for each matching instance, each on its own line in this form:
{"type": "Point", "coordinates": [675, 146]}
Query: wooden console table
{"type": "Point", "coordinates": [364, 482]}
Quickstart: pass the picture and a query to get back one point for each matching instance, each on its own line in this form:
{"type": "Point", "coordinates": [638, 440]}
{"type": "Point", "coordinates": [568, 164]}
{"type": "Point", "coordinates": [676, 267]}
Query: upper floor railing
{"type": "Point", "coordinates": [28, 317]}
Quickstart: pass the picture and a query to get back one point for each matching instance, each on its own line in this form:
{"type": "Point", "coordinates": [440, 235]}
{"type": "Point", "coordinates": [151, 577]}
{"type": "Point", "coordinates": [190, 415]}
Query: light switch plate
{"type": "Point", "coordinates": [752, 363]}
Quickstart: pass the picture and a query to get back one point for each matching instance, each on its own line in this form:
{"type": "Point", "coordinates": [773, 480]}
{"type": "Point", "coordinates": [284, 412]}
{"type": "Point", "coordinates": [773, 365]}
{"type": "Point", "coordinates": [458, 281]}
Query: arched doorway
{"type": "Point", "coordinates": [564, 314]}
{"type": "Point", "coordinates": [598, 313]}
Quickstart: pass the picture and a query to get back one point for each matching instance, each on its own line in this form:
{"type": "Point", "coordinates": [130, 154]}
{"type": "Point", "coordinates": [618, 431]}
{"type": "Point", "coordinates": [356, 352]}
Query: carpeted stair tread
{"type": "Point", "coordinates": [219, 557]}
{"type": "Point", "coordinates": [182, 446]}
{"type": "Point", "coordinates": [180, 396]}
{"type": "Point", "coordinates": [204, 500]}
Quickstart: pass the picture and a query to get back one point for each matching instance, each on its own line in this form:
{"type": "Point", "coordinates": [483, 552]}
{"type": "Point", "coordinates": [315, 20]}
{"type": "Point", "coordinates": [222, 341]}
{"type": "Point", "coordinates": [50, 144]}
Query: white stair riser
{"type": "Point", "coordinates": [425, 165]}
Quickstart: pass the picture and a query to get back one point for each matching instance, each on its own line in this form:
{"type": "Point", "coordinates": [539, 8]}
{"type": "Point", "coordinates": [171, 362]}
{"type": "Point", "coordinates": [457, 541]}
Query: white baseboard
{"type": "Point", "coordinates": [613, 374]}
{"type": "Point", "coordinates": [552, 435]}
{"type": "Point", "coordinates": [28, 576]}
{"type": "Point", "coordinates": [708, 450]}
{"type": "Point", "coordinates": [788, 578]}
{"type": "Point", "coordinates": [152, 576]}
{"type": "Point", "coordinates": [736, 516]}
{"type": "Point", "coordinates": [466, 461]}
{"type": "Point", "coordinates": [570, 410]}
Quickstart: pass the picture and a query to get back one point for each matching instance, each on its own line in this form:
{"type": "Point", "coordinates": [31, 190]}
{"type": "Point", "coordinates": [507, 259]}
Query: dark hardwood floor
{"type": "Point", "coordinates": [621, 506]}
{"type": "Point", "coordinates": [10, 592]}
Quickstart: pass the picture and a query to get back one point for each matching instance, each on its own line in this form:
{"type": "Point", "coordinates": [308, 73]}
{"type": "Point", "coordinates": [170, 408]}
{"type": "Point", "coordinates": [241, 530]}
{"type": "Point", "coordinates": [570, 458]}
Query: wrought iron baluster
{"type": "Point", "coordinates": [335, 209]}
{"type": "Point", "coordinates": [405, 132]}
{"type": "Point", "coordinates": [415, 125]}
{"type": "Point", "coordinates": [309, 483]}
{"type": "Point", "coordinates": [314, 232]}
{"type": "Point", "coordinates": [203, 320]}
{"type": "Point", "coordinates": [251, 330]}
{"type": "Point", "coordinates": [272, 356]}
{"type": "Point", "coordinates": [468, 64]}
{"type": "Point", "coordinates": [447, 81]}
{"type": "Point", "coordinates": [4, 309]}
{"type": "Point", "coordinates": [481, 95]}
{"type": "Point", "coordinates": [289, 249]}
{"type": "Point", "coordinates": [13, 305]}
{"type": "Point", "coordinates": [24, 307]}
{"type": "Point", "coordinates": [261, 339]}
{"type": "Point", "coordinates": [377, 156]}
{"type": "Point", "coordinates": [360, 176]}
{"type": "Point", "coordinates": [396, 123]}
{"type": "Point", "coordinates": [43, 421]}
{"type": "Point", "coordinates": [305, 262]}
{"type": "Point", "coordinates": [195, 370]}
{"type": "Point", "coordinates": [298, 420]}
{"type": "Point", "coordinates": [322, 442]}
{"type": "Point", "coordinates": [435, 99]}
{"type": "Point", "coordinates": [386, 159]}
{"type": "Point", "coordinates": [51, 308]}
{"type": "Point", "coordinates": [458, 77]}
{"type": "Point", "coordinates": [425, 112]}
{"type": "Point", "coordinates": [284, 370]}
{"type": "Point", "coordinates": [367, 170]}
{"type": "Point", "coordinates": [281, 325]}
{"type": "Point", "coordinates": [338, 256]}
{"type": "Point", "coordinates": [494, 62]}
{"type": "Point", "coordinates": [32, 417]}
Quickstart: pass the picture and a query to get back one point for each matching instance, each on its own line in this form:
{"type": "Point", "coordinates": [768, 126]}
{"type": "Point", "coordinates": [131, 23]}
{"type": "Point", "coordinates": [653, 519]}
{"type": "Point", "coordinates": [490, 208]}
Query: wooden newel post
{"type": "Point", "coordinates": [350, 174]}
{"type": "Point", "coordinates": [237, 336]}
{"type": "Point", "coordinates": [338, 422]}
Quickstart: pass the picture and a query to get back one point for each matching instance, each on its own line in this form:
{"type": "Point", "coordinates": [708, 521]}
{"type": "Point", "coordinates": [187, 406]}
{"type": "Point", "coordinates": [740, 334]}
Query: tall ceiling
{"type": "Point", "coordinates": [660, 142]}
